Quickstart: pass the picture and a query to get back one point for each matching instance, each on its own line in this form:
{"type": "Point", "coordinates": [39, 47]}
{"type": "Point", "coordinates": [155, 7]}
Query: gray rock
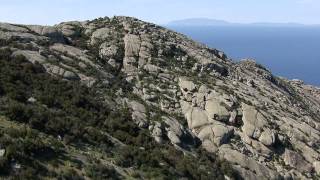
{"type": "Point", "coordinates": [233, 116]}
{"type": "Point", "coordinates": [151, 68]}
{"type": "Point", "coordinates": [295, 160]}
{"type": "Point", "coordinates": [216, 110]}
{"type": "Point", "coordinates": [209, 146]}
{"type": "Point", "coordinates": [217, 132]}
{"type": "Point", "coordinates": [88, 81]}
{"type": "Point", "coordinates": [16, 165]}
{"type": "Point", "coordinates": [70, 75]}
{"type": "Point", "coordinates": [69, 28]}
{"type": "Point", "coordinates": [12, 27]}
{"type": "Point", "coordinates": [32, 100]}
{"type": "Point", "coordinates": [132, 45]}
{"type": "Point", "coordinates": [139, 113]}
{"type": "Point", "coordinates": [32, 56]}
{"type": "Point", "coordinates": [8, 31]}
{"type": "Point", "coordinates": [250, 83]}
{"type": "Point", "coordinates": [82, 65]}
{"type": "Point", "coordinates": [4, 35]}
{"type": "Point", "coordinates": [52, 32]}
{"type": "Point", "coordinates": [197, 118]}
{"type": "Point", "coordinates": [174, 138]}
{"type": "Point", "coordinates": [267, 137]}
{"type": "Point", "coordinates": [108, 51]}
{"type": "Point", "coordinates": [114, 63]}
{"type": "Point", "coordinates": [316, 166]}
{"type": "Point", "coordinates": [132, 49]}
{"type": "Point", "coordinates": [56, 70]}
{"type": "Point", "coordinates": [2, 152]}
{"type": "Point", "coordinates": [260, 171]}
{"type": "Point", "coordinates": [253, 121]}
{"type": "Point", "coordinates": [174, 126]}
{"type": "Point", "coordinates": [156, 131]}
{"type": "Point", "coordinates": [186, 85]}
{"type": "Point", "coordinates": [100, 35]}
{"type": "Point", "coordinates": [73, 52]}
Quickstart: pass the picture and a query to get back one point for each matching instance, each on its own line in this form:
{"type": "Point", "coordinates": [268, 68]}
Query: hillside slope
{"type": "Point", "coordinates": [119, 98]}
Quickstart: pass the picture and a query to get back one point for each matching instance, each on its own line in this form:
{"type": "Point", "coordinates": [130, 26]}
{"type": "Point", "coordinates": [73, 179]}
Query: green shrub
{"type": "Point", "coordinates": [24, 146]}
{"type": "Point", "coordinates": [1, 90]}
{"type": "Point", "coordinates": [18, 112]}
{"type": "Point", "coordinates": [100, 171]}
{"type": "Point", "coordinates": [4, 165]}
{"type": "Point", "coordinates": [5, 53]}
{"type": "Point", "coordinates": [70, 174]}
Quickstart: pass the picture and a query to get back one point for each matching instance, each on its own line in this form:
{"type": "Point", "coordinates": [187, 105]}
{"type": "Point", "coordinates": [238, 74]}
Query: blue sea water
{"type": "Point", "coordinates": [291, 52]}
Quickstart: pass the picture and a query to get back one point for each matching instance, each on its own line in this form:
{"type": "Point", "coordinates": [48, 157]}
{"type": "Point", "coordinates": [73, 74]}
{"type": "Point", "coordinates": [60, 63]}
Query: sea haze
{"type": "Point", "coordinates": [288, 51]}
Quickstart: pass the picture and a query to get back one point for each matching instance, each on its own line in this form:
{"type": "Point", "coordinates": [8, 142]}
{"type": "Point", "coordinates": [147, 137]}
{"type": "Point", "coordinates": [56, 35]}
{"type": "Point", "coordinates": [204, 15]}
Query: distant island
{"type": "Point", "coordinates": [215, 22]}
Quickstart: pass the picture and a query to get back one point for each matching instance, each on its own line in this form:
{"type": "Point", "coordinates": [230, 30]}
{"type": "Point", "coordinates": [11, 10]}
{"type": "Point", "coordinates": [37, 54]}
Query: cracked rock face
{"type": "Point", "coordinates": [253, 121]}
{"type": "Point", "coordinates": [294, 159]}
{"type": "Point", "coordinates": [184, 93]}
{"type": "Point", "coordinates": [132, 49]}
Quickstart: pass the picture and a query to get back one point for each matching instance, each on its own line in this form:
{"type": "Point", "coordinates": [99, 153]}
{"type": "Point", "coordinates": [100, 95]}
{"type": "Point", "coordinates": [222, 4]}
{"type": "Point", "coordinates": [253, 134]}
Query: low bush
{"type": "Point", "coordinates": [24, 146]}
{"type": "Point", "coordinates": [100, 171]}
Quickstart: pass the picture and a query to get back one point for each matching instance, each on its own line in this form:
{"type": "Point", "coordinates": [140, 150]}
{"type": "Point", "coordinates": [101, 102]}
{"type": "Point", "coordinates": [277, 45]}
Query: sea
{"type": "Point", "coordinates": [290, 52]}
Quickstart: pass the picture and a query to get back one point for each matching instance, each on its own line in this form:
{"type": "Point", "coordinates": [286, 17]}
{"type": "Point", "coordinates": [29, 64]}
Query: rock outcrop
{"type": "Point", "coordinates": [184, 93]}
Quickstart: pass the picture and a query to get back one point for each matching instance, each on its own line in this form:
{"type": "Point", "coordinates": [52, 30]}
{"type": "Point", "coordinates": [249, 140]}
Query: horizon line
{"type": "Point", "coordinates": [241, 23]}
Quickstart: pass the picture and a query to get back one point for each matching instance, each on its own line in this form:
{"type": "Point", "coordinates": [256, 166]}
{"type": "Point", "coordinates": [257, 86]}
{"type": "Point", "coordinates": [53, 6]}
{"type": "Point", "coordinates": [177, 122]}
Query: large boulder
{"type": "Point", "coordinates": [197, 118]}
{"type": "Point", "coordinates": [156, 131]}
{"type": "Point", "coordinates": [209, 146]}
{"type": "Point", "coordinates": [173, 137]}
{"type": "Point", "coordinates": [32, 56]}
{"type": "Point", "coordinates": [139, 113]}
{"type": "Point", "coordinates": [70, 75]}
{"type": "Point", "coordinates": [74, 53]}
{"type": "Point", "coordinates": [56, 70]}
{"type": "Point", "coordinates": [316, 166]}
{"type": "Point", "coordinates": [2, 152]}
{"type": "Point", "coordinates": [295, 160]}
{"type": "Point", "coordinates": [100, 35]}
{"type": "Point", "coordinates": [108, 51]}
{"type": "Point", "coordinates": [247, 164]}
{"type": "Point", "coordinates": [111, 53]}
{"type": "Point", "coordinates": [186, 86]}
{"type": "Point", "coordinates": [25, 37]}
{"type": "Point", "coordinates": [253, 121]}
{"type": "Point", "coordinates": [216, 110]}
{"type": "Point", "coordinates": [152, 68]}
{"type": "Point", "coordinates": [87, 80]}
{"type": "Point", "coordinates": [52, 32]}
{"type": "Point", "coordinates": [12, 27]}
{"type": "Point", "coordinates": [69, 29]}
{"type": "Point", "coordinates": [267, 137]}
{"type": "Point", "coordinates": [218, 133]}
{"type": "Point", "coordinates": [178, 134]}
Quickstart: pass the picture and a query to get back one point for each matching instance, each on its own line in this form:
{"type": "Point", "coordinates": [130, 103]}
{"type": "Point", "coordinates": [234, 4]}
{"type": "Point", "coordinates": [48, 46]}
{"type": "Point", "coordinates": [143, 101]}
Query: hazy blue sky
{"type": "Point", "coordinates": [160, 11]}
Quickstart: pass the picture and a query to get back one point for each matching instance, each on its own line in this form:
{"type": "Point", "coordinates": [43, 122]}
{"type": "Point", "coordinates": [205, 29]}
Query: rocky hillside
{"type": "Point", "coordinates": [121, 98]}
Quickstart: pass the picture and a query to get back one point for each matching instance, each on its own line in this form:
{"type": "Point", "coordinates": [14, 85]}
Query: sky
{"type": "Point", "coordinates": [49, 12]}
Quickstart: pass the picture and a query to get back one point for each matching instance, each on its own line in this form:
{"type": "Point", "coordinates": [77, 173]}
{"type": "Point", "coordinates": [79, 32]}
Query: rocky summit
{"type": "Point", "coordinates": [120, 98]}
